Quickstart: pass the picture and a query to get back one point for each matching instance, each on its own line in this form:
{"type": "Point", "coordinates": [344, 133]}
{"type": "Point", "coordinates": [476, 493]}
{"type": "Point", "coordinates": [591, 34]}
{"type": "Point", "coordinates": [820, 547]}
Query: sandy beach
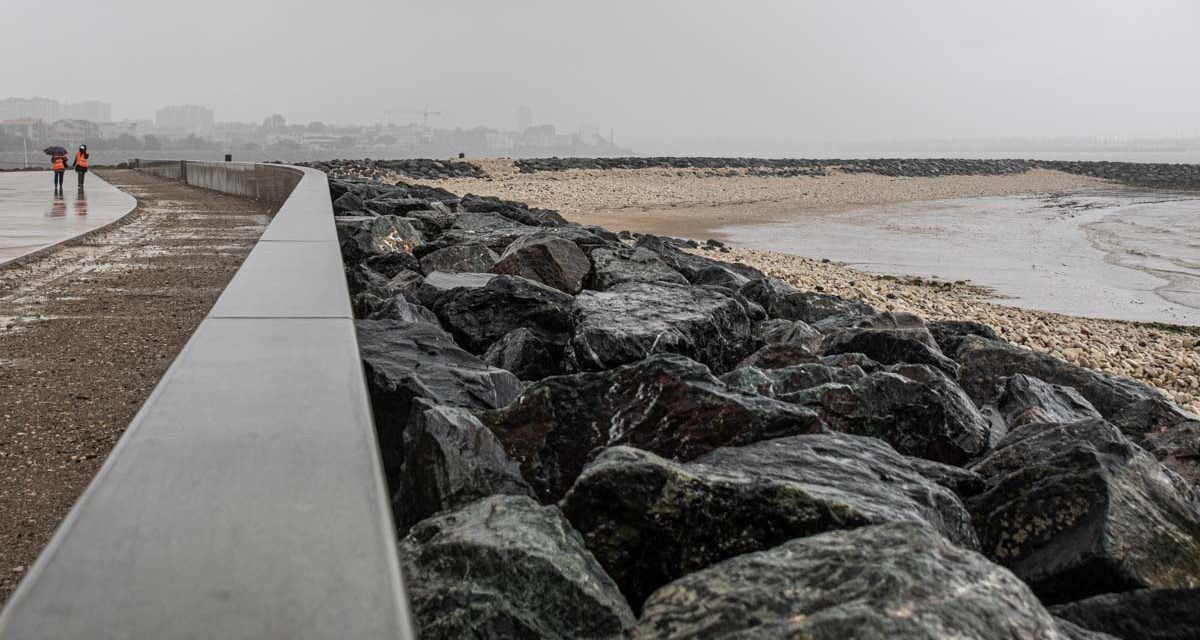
{"type": "Point", "coordinates": [700, 203]}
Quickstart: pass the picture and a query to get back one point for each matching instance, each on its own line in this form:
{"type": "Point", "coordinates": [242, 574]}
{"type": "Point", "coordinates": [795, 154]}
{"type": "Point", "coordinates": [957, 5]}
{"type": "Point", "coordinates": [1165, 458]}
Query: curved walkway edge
{"type": "Point", "coordinates": [246, 499]}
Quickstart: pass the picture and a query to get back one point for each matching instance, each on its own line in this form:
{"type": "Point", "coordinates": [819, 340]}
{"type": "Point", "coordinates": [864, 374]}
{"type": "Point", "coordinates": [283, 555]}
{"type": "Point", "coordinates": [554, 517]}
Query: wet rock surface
{"type": "Point", "coordinates": [987, 364]}
{"type": "Point", "coordinates": [915, 408]}
{"type": "Point", "coordinates": [781, 300]}
{"type": "Point", "coordinates": [1145, 614]}
{"type": "Point", "coordinates": [649, 520]}
{"type": "Point", "coordinates": [779, 331]}
{"type": "Point", "coordinates": [1026, 400]}
{"type": "Point", "coordinates": [879, 582]}
{"type": "Point", "coordinates": [1142, 413]}
{"type": "Point", "coordinates": [892, 346]}
{"type": "Point", "coordinates": [634, 320]}
{"type": "Point", "coordinates": [666, 404]}
{"type": "Point", "coordinates": [366, 236]}
{"type": "Point", "coordinates": [480, 316]}
{"type": "Point", "coordinates": [450, 461]}
{"type": "Point", "coordinates": [552, 261]}
{"type": "Point", "coordinates": [1077, 510]}
{"type": "Point", "coordinates": [406, 361]}
{"type": "Point", "coordinates": [507, 567]}
{"type": "Point", "coordinates": [525, 354]}
{"type": "Point", "coordinates": [601, 391]}
{"type": "Point", "coordinates": [615, 266]}
{"type": "Point", "coordinates": [473, 258]}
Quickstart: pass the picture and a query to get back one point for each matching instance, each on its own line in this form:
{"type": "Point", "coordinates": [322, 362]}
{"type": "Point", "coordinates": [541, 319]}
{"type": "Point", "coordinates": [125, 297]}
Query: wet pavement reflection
{"type": "Point", "coordinates": [33, 216]}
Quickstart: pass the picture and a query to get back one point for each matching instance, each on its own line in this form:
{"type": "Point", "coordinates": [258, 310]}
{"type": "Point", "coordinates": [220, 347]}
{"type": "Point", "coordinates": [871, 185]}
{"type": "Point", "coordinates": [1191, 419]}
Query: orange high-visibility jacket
{"type": "Point", "coordinates": [59, 163]}
{"type": "Point", "coordinates": [80, 159]}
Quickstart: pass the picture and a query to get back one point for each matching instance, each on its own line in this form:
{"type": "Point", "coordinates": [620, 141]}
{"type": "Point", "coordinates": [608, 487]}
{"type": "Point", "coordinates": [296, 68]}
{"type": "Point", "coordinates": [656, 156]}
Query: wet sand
{"type": "Point", "coordinates": [1114, 254]}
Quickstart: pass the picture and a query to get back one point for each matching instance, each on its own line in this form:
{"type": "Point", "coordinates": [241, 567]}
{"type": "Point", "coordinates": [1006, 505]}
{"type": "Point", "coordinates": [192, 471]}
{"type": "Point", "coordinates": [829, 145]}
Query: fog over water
{"type": "Point", "coordinates": [672, 75]}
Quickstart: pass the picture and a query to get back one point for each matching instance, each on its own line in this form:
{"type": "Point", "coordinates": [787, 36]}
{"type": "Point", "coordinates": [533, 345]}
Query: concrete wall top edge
{"type": "Point", "coordinates": [246, 499]}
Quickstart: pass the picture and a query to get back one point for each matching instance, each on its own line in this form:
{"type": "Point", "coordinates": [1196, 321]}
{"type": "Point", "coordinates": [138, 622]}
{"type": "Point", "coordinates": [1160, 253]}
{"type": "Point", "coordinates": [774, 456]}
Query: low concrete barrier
{"type": "Point", "coordinates": [246, 499]}
{"type": "Point", "coordinates": [266, 182]}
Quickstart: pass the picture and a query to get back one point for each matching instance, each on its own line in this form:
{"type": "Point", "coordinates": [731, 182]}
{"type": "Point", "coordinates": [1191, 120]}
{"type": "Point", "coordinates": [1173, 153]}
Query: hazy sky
{"type": "Point", "coordinates": [652, 70]}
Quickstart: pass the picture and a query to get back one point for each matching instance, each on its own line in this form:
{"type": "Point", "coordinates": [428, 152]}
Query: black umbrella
{"type": "Point", "coordinates": [55, 151]}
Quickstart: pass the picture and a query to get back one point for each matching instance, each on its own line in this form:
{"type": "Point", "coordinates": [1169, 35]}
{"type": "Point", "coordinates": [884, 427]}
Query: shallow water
{"type": "Point", "coordinates": [1121, 254]}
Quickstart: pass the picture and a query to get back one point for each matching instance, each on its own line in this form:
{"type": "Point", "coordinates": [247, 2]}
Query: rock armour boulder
{"type": "Point", "coordinates": [649, 520]}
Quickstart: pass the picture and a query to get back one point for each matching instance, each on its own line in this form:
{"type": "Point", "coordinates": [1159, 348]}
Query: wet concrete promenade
{"type": "Point", "coordinates": [32, 217]}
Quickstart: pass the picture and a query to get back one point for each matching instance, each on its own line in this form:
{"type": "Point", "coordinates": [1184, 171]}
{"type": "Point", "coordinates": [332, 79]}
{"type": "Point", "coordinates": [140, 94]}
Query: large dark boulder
{"type": "Point", "coordinates": [910, 323]}
{"type": "Point", "coordinates": [394, 205]}
{"type": "Point", "coordinates": [382, 305]}
{"type": "Point", "coordinates": [781, 300]}
{"type": "Point", "coordinates": [493, 230]}
{"type": "Point", "coordinates": [1178, 449]}
{"type": "Point", "coordinates": [1077, 510]}
{"type": "Point", "coordinates": [348, 203]}
{"type": "Point", "coordinates": [693, 267]}
{"type": "Point", "coordinates": [633, 320]}
{"type": "Point", "coordinates": [439, 283]}
{"type": "Point", "coordinates": [614, 266]}
{"type": "Point", "coordinates": [360, 278]}
{"type": "Point", "coordinates": [780, 331]}
{"type": "Point", "coordinates": [506, 567]}
{"type": "Point", "coordinates": [432, 222]}
{"type": "Point", "coordinates": [450, 461]}
{"type": "Point", "coordinates": [915, 408]}
{"type": "Point", "coordinates": [1026, 400]}
{"type": "Point", "coordinates": [482, 315]}
{"type": "Point", "coordinates": [406, 282]}
{"type": "Point", "coordinates": [882, 582]}
{"type": "Point", "coordinates": [362, 237]}
{"type": "Point", "coordinates": [1145, 614]}
{"type": "Point", "coordinates": [779, 382]}
{"type": "Point", "coordinates": [1141, 412]}
{"type": "Point", "coordinates": [649, 520]}
{"type": "Point", "coordinates": [389, 265]}
{"type": "Point", "coordinates": [1071, 631]}
{"type": "Point", "coordinates": [720, 276]}
{"type": "Point", "coordinates": [406, 361]}
{"type": "Point", "coordinates": [666, 404]}
{"type": "Point", "coordinates": [552, 261]}
{"type": "Point", "coordinates": [522, 352]}
{"type": "Point", "coordinates": [891, 346]}
{"type": "Point", "coordinates": [458, 258]}
{"type": "Point", "coordinates": [1134, 406]}
{"type": "Point", "coordinates": [516, 211]}
{"type": "Point", "coordinates": [949, 334]}
{"type": "Point", "coordinates": [779, 355]}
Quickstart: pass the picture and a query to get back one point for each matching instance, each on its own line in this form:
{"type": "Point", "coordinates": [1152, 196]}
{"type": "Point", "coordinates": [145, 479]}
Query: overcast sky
{"type": "Point", "coordinates": [652, 70]}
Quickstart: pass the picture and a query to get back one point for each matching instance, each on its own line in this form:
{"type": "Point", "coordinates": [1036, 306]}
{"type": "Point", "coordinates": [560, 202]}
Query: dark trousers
{"type": "Point", "coordinates": [58, 179]}
{"type": "Point", "coordinates": [81, 172]}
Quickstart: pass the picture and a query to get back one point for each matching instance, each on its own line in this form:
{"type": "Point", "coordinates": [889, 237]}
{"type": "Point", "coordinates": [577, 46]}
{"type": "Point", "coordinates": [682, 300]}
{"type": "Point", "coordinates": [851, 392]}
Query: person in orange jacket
{"type": "Point", "coordinates": [81, 163]}
{"type": "Point", "coordinates": [59, 164]}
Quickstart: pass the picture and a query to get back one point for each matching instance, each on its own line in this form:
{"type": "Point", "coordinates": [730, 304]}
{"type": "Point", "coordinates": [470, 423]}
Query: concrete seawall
{"type": "Point", "coordinates": [246, 499]}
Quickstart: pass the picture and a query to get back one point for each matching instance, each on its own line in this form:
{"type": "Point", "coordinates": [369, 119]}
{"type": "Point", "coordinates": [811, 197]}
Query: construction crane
{"type": "Point", "coordinates": [425, 113]}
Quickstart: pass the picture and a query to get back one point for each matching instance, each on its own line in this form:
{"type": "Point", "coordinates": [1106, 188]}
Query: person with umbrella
{"type": "Point", "coordinates": [58, 163]}
{"type": "Point", "coordinates": [81, 163]}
